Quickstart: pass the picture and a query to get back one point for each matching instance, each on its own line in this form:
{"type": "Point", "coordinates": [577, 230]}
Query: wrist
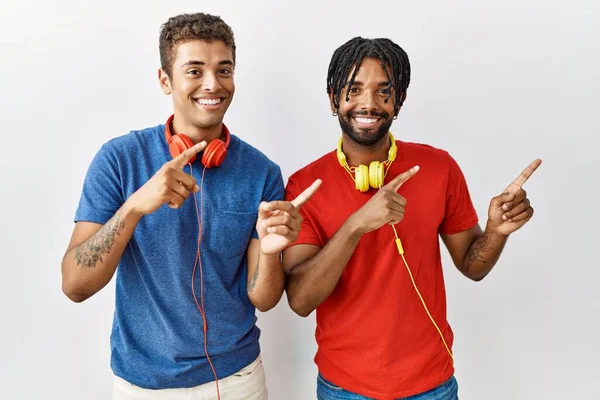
{"type": "Point", "coordinates": [492, 228]}
{"type": "Point", "coordinates": [353, 227]}
{"type": "Point", "coordinates": [130, 211]}
{"type": "Point", "coordinates": [269, 258]}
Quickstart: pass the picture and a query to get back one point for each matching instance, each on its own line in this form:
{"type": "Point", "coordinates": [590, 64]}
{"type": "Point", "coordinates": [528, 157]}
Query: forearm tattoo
{"type": "Point", "coordinates": [478, 250]}
{"type": "Point", "coordinates": [252, 283]}
{"type": "Point", "coordinates": [89, 253]}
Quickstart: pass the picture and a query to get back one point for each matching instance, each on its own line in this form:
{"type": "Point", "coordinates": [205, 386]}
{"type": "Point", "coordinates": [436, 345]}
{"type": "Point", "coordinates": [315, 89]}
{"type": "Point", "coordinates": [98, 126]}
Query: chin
{"type": "Point", "coordinates": [208, 122]}
{"type": "Point", "coordinates": [368, 137]}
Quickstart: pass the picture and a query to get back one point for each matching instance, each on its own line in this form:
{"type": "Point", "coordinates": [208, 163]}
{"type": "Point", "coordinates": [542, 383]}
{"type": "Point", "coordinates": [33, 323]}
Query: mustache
{"type": "Point", "coordinates": [381, 114]}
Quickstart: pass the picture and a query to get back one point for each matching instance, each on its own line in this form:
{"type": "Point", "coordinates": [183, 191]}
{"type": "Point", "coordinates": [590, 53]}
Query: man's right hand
{"type": "Point", "coordinates": [169, 185]}
{"type": "Point", "coordinates": [385, 207]}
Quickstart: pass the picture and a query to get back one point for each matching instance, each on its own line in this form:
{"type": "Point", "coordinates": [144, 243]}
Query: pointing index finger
{"type": "Point", "coordinates": [307, 194]}
{"type": "Point", "coordinates": [184, 158]}
{"type": "Point", "coordinates": [398, 181]}
{"type": "Point", "coordinates": [524, 176]}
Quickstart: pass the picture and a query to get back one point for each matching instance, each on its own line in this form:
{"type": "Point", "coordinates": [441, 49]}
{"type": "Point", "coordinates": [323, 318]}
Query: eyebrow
{"type": "Point", "coordinates": [195, 62]}
{"type": "Point", "coordinates": [359, 83]}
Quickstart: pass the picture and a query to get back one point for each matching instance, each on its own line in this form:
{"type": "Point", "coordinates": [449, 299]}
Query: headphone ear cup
{"type": "Point", "coordinates": [179, 144]}
{"type": "Point", "coordinates": [214, 154]}
{"type": "Point", "coordinates": [376, 175]}
{"type": "Point", "coordinates": [361, 177]}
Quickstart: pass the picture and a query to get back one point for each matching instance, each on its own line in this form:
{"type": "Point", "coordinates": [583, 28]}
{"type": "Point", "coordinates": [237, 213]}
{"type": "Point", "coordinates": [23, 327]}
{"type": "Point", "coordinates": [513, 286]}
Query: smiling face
{"type": "Point", "coordinates": [368, 114]}
{"type": "Point", "coordinates": [201, 83]}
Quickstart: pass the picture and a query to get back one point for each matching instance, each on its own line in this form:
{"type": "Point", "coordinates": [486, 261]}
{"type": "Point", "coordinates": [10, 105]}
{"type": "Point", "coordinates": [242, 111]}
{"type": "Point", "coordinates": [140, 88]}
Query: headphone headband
{"type": "Point", "coordinates": [392, 152]}
{"type": "Point", "coordinates": [169, 135]}
{"type": "Point", "coordinates": [372, 176]}
{"type": "Point", "coordinates": [213, 155]}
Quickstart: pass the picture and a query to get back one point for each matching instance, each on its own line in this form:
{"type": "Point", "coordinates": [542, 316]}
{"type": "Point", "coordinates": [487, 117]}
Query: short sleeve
{"type": "Point", "coordinates": [275, 190]}
{"type": "Point", "coordinates": [102, 194]}
{"type": "Point", "coordinates": [460, 215]}
{"type": "Point", "coordinates": [308, 234]}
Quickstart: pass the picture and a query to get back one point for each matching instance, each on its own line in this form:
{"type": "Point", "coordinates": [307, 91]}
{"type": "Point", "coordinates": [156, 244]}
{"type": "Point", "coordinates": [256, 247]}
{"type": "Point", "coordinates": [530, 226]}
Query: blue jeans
{"type": "Point", "coordinates": [329, 391]}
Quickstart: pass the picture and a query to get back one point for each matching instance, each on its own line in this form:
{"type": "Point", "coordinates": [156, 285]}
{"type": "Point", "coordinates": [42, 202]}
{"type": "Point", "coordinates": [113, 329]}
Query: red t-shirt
{"type": "Point", "coordinates": [373, 334]}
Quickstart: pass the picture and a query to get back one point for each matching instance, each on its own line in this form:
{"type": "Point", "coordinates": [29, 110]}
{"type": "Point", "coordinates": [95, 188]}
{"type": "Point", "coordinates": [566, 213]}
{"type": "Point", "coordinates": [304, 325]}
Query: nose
{"type": "Point", "coordinates": [210, 83]}
{"type": "Point", "coordinates": [368, 101]}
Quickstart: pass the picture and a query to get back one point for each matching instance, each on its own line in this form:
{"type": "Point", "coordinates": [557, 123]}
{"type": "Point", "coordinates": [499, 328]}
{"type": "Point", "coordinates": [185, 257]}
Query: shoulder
{"type": "Point", "coordinates": [248, 156]}
{"type": "Point", "coordinates": [137, 140]}
{"type": "Point", "coordinates": [427, 154]}
{"type": "Point", "coordinates": [424, 150]}
{"type": "Point", "coordinates": [315, 169]}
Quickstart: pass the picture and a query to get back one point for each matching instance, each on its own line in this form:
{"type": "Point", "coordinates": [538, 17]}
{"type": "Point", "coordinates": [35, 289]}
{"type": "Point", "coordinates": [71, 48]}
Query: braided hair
{"type": "Point", "coordinates": [352, 53]}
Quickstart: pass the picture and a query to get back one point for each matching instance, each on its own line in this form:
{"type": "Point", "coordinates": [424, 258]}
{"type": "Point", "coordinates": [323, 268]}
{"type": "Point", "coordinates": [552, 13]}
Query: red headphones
{"type": "Point", "coordinates": [214, 154]}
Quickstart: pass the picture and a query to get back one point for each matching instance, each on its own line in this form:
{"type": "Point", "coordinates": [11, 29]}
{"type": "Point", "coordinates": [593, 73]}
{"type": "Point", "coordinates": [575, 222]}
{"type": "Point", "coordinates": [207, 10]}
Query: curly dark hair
{"type": "Point", "coordinates": [352, 53]}
{"type": "Point", "coordinates": [185, 27]}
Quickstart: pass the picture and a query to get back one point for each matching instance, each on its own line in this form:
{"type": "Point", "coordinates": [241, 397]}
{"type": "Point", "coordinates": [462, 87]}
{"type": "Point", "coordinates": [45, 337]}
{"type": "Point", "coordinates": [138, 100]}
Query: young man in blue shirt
{"type": "Point", "coordinates": [196, 233]}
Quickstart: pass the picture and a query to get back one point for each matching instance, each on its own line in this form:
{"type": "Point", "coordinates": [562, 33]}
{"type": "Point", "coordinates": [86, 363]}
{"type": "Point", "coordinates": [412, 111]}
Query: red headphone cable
{"type": "Point", "coordinates": [198, 262]}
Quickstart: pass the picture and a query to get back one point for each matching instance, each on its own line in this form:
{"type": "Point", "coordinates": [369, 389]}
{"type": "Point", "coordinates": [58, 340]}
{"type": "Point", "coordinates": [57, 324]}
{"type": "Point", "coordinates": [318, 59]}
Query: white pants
{"type": "Point", "coordinates": [247, 384]}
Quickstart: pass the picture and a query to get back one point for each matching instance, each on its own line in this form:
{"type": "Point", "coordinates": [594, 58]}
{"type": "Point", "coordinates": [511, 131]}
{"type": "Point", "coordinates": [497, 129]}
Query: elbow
{"type": "Point", "coordinates": [73, 295]}
{"type": "Point", "coordinates": [264, 305]}
{"type": "Point", "coordinates": [300, 307]}
{"type": "Point", "coordinates": [303, 312]}
{"type": "Point", "coordinates": [71, 290]}
{"type": "Point", "coordinates": [472, 273]}
{"type": "Point", "coordinates": [476, 278]}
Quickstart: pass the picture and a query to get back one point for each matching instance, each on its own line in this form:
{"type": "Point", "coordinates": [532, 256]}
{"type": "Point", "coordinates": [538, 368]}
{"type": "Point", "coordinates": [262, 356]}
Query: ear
{"type": "Point", "coordinates": [399, 106]}
{"type": "Point", "coordinates": [165, 82]}
{"type": "Point", "coordinates": [334, 109]}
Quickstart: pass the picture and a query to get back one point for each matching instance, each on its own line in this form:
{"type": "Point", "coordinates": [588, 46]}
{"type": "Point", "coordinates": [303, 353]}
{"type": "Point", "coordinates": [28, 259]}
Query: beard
{"type": "Point", "coordinates": [365, 137]}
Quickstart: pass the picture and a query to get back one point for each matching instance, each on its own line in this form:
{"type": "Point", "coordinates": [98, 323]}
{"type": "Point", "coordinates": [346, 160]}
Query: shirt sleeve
{"type": "Point", "coordinates": [102, 194]}
{"type": "Point", "coordinates": [460, 215]}
{"type": "Point", "coordinates": [308, 233]}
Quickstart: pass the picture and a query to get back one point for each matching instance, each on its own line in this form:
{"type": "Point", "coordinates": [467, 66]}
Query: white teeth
{"type": "Point", "coordinates": [209, 102]}
{"type": "Point", "coordinates": [366, 120]}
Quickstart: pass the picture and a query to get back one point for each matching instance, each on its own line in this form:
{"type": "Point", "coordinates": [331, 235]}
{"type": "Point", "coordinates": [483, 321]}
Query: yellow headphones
{"type": "Point", "coordinates": [372, 176]}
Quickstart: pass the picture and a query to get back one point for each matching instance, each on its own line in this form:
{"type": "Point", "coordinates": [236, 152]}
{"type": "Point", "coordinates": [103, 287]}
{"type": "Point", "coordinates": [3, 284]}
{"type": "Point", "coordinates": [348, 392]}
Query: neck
{"type": "Point", "coordinates": [195, 133]}
{"type": "Point", "coordinates": [357, 154]}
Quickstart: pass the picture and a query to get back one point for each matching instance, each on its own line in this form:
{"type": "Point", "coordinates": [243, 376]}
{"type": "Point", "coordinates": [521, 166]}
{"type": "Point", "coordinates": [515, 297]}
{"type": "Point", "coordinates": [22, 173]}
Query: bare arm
{"type": "Point", "coordinates": [313, 273]}
{"type": "Point", "coordinates": [94, 253]}
{"type": "Point", "coordinates": [474, 252]}
{"type": "Point", "coordinates": [95, 250]}
{"type": "Point", "coordinates": [277, 226]}
{"type": "Point", "coordinates": [266, 280]}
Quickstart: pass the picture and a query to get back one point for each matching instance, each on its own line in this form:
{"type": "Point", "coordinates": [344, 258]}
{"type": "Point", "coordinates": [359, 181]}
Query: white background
{"type": "Point", "coordinates": [496, 84]}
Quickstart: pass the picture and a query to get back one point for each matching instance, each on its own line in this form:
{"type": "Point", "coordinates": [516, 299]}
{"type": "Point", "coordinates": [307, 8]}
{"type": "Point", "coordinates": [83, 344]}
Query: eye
{"type": "Point", "coordinates": [353, 90]}
{"type": "Point", "coordinates": [194, 72]}
{"type": "Point", "coordinates": [386, 91]}
{"type": "Point", "coordinates": [225, 71]}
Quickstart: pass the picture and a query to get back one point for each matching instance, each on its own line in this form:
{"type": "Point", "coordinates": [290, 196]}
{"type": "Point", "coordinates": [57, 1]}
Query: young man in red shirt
{"type": "Point", "coordinates": [368, 256]}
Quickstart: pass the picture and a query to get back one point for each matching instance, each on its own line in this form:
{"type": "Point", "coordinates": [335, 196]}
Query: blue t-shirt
{"type": "Point", "coordinates": [157, 339]}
